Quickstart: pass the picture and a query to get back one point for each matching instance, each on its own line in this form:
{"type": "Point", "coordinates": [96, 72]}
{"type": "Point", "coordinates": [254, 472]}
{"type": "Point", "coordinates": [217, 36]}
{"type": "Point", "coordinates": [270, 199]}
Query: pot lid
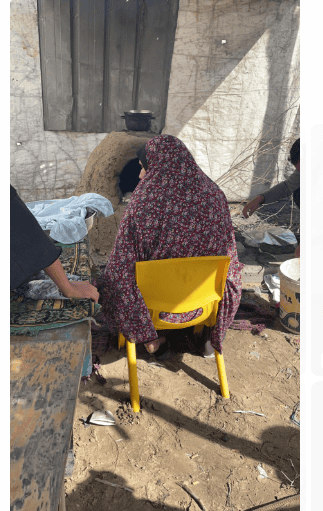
{"type": "Point", "coordinates": [139, 112]}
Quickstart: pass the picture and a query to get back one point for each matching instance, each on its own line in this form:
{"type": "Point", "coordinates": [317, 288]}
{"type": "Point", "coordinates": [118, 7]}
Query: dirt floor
{"type": "Point", "coordinates": [186, 433]}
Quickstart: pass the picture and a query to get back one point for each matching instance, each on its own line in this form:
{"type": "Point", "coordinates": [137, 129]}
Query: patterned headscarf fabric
{"type": "Point", "coordinates": [175, 211]}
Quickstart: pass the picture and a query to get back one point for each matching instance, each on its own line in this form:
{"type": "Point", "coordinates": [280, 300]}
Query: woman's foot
{"type": "Point", "coordinates": [208, 351]}
{"type": "Point", "coordinates": [153, 346]}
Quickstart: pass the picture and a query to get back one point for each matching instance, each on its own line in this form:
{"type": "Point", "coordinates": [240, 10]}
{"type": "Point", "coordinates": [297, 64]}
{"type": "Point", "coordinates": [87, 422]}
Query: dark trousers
{"type": "Point", "coordinates": [296, 197]}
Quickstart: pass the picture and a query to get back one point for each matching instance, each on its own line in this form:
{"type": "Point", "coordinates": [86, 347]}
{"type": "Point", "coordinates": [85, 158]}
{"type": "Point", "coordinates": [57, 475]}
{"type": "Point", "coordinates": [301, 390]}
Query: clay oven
{"type": "Point", "coordinates": [112, 171]}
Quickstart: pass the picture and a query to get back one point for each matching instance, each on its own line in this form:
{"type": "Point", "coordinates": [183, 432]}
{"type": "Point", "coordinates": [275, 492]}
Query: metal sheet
{"type": "Point", "coordinates": [119, 64]}
{"type": "Point", "coordinates": [88, 40]}
{"type": "Point", "coordinates": [156, 47]}
{"type": "Point", "coordinates": [56, 63]}
{"type": "Point", "coordinates": [102, 58]}
{"type": "Point", "coordinates": [45, 373]}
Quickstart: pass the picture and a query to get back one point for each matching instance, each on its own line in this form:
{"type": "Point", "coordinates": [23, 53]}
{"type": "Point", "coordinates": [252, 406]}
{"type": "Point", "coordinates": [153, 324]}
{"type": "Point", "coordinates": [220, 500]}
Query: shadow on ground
{"type": "Point", "coordinates": [96, 495]}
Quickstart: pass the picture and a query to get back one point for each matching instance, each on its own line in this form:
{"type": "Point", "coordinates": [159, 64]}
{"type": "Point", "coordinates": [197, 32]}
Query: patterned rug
{"type": "Point", "coordinates": [28, 317]}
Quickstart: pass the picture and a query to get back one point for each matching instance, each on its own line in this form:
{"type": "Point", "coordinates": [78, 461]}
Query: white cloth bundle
{"type": "Point", "coordinates": [65, 218]}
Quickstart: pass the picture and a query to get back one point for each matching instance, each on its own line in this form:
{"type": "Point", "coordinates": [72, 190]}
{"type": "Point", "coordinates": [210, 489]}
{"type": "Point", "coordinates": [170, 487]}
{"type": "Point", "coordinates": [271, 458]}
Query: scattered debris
{"type": "Point", "coordinates": [95, 371]}
{"type": "Point", "coordinates": [255, 354]}
{"type": "Point", "coordinates": [250, 411]}
{"type": "Point", "coordinates": [126, 414]}
{"type": "Point", "coordinates": [258, 291]}
{"type": "Point", "coordinates": [197, 500]}
{"type": "Point", "coordinates": [272, 281]}
{"type": "Point", "coordinates": [291, 483]}
{"type": "Point", "coordinates": [100, 378]}
{"type": "Point", "coordinates": [291, 462]}
{"type": "Point", "coordinates": [156, 364]}
{"type": "Point", "coordinates": [113, 484]}
{"type": "Point", "coordinates": [295, 413]}
{"type": "Point", "coordinates": [104, 418]}
{"type": "Point", "coordinates": [281, 239]}
{"type": "Point", "coordinates": [297, 474]}
{"type": "Point", "coordinates": [252, 317]}
{"type": "Point", "coordinates": [293, 341]}
{"type": "Point", "coordinates": [289, 372]}
{"type": "Point", "coordinates": [262, 472]}
{"type": "Point", "coordinates": [228, 500]}
{"type": "Point", "coordinates": [85, 422]}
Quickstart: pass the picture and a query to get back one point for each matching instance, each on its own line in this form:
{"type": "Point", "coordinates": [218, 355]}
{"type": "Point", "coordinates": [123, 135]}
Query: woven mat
{"type": "Point", "coordinates": [27, 317]}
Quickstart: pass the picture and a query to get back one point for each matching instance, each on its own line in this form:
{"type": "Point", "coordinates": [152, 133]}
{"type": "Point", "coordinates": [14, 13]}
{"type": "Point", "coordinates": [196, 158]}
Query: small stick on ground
{"type": "Point", "coordinates": [197, 500]}
{"type": "Point", "coordinates": [228, 495]}
{"type": "Point", "coordinates": [113, 484]}
{"type": "Point", "coordinates": [290, 481]}
{"type": "Point", "coordinates": [293, 466]}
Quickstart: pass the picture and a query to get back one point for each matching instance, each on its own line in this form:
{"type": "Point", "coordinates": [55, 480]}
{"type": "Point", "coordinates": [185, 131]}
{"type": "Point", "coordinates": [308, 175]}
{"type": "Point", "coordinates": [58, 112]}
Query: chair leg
{"type": "Point", "coordinates": [121, 341]}
{"type": "Point", "coordinates": [222, 375]}
{"type": "Point", "coordinates": [133, 378]}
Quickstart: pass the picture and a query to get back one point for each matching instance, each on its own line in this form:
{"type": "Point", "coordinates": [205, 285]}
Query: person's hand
{"type": "Point", "coordinates": [70, 289]}
{"type": "Point", "coordinates": [297, 251]}
{"type": "Point", "coordinates": [252, 205]}
{"type": "Point", "coordinates": [81, 289]}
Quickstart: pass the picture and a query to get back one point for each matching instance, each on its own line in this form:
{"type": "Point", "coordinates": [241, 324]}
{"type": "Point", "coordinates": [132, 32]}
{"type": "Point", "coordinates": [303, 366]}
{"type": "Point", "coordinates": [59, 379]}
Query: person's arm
{"type": "Point", "coordinates": [283, 189]}
{"type": "Point", "coordinates": [31, 249]}
{"type": "Point", "coordinates": [277, 192]}
{"type": "Point", "coordinates": [252, 205]}
{"type": "Point", "coordinates": [78, 289]}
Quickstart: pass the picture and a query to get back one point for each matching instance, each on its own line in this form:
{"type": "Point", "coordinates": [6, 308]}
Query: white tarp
{"type": "Point", "coordinates": [234, 86]}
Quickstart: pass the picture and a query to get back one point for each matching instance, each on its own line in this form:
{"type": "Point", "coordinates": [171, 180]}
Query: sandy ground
{"type": "Point", "coordinates": [186, 433]}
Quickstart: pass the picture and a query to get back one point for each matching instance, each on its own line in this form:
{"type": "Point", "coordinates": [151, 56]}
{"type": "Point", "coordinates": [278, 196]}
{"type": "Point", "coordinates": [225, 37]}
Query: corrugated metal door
{"type": "Point", "coordinates": [100, 58]}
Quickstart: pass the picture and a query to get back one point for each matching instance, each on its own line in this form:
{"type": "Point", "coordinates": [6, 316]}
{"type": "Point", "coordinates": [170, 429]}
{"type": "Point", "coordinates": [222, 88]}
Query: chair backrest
{"type": "Point", "coordinates": [184, 284]}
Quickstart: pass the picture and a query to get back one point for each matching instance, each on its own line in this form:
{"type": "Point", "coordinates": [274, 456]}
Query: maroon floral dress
{"type": "Point", "coordinates": [175, 211]}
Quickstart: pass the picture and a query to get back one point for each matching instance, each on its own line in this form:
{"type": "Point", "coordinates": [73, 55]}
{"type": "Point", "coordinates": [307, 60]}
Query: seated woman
{"type": "Point", "coordinates": [175, 211]}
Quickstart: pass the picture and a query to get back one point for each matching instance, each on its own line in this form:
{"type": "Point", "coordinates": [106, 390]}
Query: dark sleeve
{"type": "Point", "coordinates": [31, 249]}
{"type": "Point", "coordinates": [283, 189]}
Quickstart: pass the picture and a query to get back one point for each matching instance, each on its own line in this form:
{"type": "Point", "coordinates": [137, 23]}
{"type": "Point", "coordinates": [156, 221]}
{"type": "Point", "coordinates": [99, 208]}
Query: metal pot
{"type": "Point", "coordinates": [138, 120]}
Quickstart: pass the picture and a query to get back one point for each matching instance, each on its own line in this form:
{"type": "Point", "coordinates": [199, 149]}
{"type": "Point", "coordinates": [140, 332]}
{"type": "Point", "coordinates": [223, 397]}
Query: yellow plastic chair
{"type": "Point", "coordinates": [179, 285]}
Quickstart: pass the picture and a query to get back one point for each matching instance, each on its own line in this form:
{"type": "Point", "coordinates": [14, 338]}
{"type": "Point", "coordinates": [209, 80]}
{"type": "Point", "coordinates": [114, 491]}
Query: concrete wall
{"type": "Point", "coordinates": [235, 71]}
{"type": "Point", "coordinates": [222, 96]}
